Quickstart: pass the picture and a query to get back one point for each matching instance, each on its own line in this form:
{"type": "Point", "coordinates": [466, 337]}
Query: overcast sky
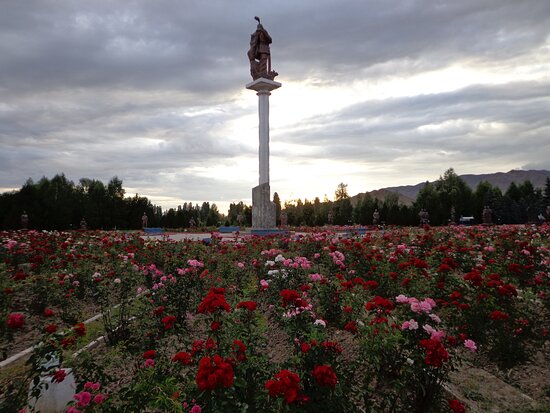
{"type": "Point", "coordinates": [375, 93]}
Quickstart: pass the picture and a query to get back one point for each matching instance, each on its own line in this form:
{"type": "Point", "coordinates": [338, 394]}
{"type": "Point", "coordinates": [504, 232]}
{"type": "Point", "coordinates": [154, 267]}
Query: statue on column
{"type": "Point", "coordinates": [259, 53]}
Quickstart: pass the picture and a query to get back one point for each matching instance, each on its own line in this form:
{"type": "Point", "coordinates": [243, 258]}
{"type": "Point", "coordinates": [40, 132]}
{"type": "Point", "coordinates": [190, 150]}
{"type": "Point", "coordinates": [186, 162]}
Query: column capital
{"type": "Point", "coordinates": [262, 84]}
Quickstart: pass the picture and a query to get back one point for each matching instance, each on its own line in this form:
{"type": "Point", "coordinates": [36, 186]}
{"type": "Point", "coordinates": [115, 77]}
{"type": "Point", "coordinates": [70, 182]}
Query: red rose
{"type": "Point", "coordinates": [48, 312]}
{"type": "Point", "coordinates": [436, 354]}
{"type": "Point", "coordinates": [347, 309]}
{"type": "Point", "coordinates": [214, 372]}
{"type": "Point", "coordinates": [168, 322]}
{"type": "Point", "coordinates": [214, 301]}
{"type": "Point", "coordinates": [508, 290]}
{"type": "Point", "coordinates": [379, 303]}
{"type": "Point", "coordinates": [59, 375]}
{"type": "Point", "coordinates": [249, 305]}
{"type": "Point", "coordinates": [499, 315]}
{"type": "Point", "coordinates": [80, 329]}
{"type": "Point", "coordinates": [324, 376]}
{"type": "Point", "coordinates": [289, 296]}
{"type": "Point", "coordinates": [50, 328]}
{"type": "Point", "coordinates": [210, 344]}
{"type": "Point", "coordinates": [286, 384]}
{"type": "Point", "coordinates": [370, 285]}
{"type": "Point", "coordinates": [456, 406]}
{"type": "Point", "coordinates": [215, 325]}
{"type": "Point", "coordinates": [197, 347]}
{"type": "Point", "coordinates": [239, 349]}
{"type": "Point", "coordinates": [16, 321]}
{"type": "Point", "coordinates": [331, 346]}
{"type": "Point", "coordinates": [183, 358]}
{"type": "Point", "coordinates": [149, 354]}
{"type": "Point", "coordinates": [351, 326]}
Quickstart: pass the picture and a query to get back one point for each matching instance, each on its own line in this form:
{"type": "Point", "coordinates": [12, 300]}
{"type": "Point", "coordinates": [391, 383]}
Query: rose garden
{"type": "Point", "coordinates": [316, 321]}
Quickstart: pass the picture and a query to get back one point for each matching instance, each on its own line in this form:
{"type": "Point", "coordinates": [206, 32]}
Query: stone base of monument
{"type": "Point", "coordinates": [264, 213]}
{"type": "Point", "coordinates": [263, 209]}
{"type": "Point", "coordinates": [266, 232]}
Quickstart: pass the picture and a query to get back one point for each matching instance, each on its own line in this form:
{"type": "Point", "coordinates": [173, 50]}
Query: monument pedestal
{"type": "Point", "coordinates": [263, 209]}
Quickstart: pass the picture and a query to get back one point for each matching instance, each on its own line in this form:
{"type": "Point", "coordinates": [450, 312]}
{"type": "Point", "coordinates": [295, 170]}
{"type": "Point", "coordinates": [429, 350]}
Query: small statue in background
{"type": "Point", "coordinates": [487, 215]}
{"type": "Point", "coordinates": [144, 220]}
{"type": "Point", "coordinates": [24, 220]}
{"type": "Point", "coordinates": [375, 217]}
{"type": "Point", "coordinates": [424, 217]}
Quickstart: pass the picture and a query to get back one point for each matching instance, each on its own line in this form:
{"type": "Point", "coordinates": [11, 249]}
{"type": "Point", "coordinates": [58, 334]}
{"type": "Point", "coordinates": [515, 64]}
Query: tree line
{"type": "Point", "coordinates": [59, 203]}
{"type": "Point", "coordinates": [446, 200]}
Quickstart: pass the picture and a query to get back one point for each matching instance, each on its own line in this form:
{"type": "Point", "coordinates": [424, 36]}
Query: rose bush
{"type": "Point", "coordinates": [372, 322]}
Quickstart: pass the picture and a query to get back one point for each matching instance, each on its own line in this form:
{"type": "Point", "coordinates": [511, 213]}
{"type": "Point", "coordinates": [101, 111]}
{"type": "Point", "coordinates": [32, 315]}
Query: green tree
{"type": "Point", "coordinates": [308, 213]}
{"type": "Point", "coordinates": [453, 193]}
{"type": "Point", "coordinates": [116, 212]}
{"type": "Point", "coordinates": [342, 209]}
{"type": "Point", "coordinates": [547, 192]}
{"type": "Point", "coordinates": [427, 198]}
{"type": "Point", "coordinates": [532, 201]}
{"type": "Point", "coordinates": [213, 217]}
{"type": "Point", "coordinates": [513, 192]}
{"type": "Point", "coordinates": [341, 192]}
{"type": "Point", "coordinates": [391, 210]}
{"type": "Point", "coordinates": [204, 212]}
{"type": "Point", "coordinates": [277, 202]}
{"type": "Point", "coordinates": [482, 196]}
{"type": "Point", "coordinates": [362, 213]}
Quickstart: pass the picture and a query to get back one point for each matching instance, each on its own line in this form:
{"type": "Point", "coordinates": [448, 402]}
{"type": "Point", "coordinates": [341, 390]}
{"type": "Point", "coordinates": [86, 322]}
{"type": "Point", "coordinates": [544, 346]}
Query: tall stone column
{"type": "Point", "coordinates": [263, 111]}
{"type": "Point", "coordinates": [263, 209]}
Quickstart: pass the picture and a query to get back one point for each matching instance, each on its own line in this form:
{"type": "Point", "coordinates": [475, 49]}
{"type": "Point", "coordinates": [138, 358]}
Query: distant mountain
{"type": "Point", "coordinates": [381, 194]}
{"type": "Point", "coordinates": [407, 193]}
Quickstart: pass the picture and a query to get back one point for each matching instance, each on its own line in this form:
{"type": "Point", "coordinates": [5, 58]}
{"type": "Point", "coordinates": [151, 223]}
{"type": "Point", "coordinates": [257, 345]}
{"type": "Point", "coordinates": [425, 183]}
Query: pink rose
{"type": "Point", "coordinates": [83, 398]}
{"type": "Point", "coordinates": [470, 345]}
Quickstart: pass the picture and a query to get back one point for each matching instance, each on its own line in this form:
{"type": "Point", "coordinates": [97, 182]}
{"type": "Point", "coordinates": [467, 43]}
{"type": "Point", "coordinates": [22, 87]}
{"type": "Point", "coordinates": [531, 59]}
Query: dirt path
{"type": "Point", "coordinates": [485, 393]}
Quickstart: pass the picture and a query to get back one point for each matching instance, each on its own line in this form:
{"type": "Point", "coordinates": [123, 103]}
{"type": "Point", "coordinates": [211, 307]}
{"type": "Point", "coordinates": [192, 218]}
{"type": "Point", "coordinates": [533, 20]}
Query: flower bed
{"type": "Point", "coordinates": [320, 322]}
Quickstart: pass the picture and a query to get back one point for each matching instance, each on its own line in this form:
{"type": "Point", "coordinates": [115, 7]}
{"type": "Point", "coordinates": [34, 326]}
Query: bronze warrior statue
{"type": "Point", "coordinates": [259, 54]}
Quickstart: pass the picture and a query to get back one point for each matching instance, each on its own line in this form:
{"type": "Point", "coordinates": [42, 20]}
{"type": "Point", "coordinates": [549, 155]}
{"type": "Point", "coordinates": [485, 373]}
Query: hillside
{"type": "Point", "coordinates": [408, 193]}
{"type": "Point", "coordinates": [381, 194]}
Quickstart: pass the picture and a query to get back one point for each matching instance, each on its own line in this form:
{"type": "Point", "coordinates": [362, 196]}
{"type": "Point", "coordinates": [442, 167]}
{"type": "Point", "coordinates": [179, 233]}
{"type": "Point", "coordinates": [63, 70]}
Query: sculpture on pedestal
{"type": "Point", "coordinates": [487, 215]}
{"type": "Point", "coordinates": [24, 220]}
{"type": "Point", "coordinates": [375, 217]}
{"type": "Point", "coordinates": [259, 53]}
{"type": "Point", "coordinates": [424, 217]}
{"type": "Point", "coordinates": [263, 209]}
